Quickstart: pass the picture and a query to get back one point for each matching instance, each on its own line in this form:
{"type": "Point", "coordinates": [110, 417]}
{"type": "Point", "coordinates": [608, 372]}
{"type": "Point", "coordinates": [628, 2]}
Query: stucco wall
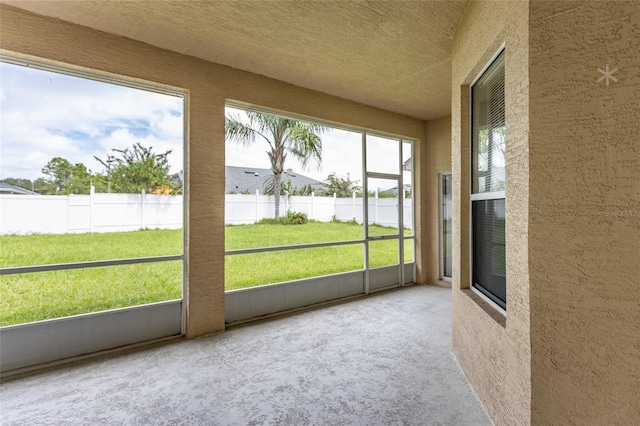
{"type": "Point", "coordinates": [208, 86]}
{"type": "Point", "coordinates": [436, 159]}
{"type": "Point", "coordinates": [584, 231]}
{"type": "Point", "coordinates": [493, 351]}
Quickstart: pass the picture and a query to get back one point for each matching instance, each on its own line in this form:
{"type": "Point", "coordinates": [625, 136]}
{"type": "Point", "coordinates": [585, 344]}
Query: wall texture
{"type": "Point", "coordinates": [494, 351]}
{"type": "Point", "coordinates": [208, 86]}
{"type": "Point", "coordinates": [436, 159]}
{"type": "Point", "coordinates": [584, 230]}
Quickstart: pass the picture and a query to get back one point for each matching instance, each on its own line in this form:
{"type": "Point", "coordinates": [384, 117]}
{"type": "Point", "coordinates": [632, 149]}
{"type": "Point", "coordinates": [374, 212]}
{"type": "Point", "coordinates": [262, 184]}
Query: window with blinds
{"type": "Point", "coordinates": [488, 183]}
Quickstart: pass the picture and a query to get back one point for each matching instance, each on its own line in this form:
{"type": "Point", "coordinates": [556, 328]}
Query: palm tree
{"type": "Point", "coordinates": [283, 135]}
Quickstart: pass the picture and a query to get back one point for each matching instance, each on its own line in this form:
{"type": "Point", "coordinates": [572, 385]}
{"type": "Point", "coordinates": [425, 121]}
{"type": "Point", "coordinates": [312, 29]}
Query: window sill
{"type": "Point", "coordinates": [489, 309]}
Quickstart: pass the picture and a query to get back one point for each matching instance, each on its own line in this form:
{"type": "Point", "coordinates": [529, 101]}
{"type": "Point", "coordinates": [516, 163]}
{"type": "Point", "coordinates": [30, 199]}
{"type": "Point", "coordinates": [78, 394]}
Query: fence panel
{"type": "Point", "coordinates": [161, 211]}
{"type": "Point", "coordinates": [241, 209]}
{"type": "Point", "coordinates": [117, 212]}
{"type": "Point", "coordinates": [348, 209]}
{"type": "Point", "coordinates": [79, 207]}
{"type": "Point", "coordinates": [317, 208]}
{"type": "Point", "coordinates": [51, 214]}
{"type": "Point", "coordinates": [266, 207]}
{"type": "Point", "coordinates": [31, 214]}
{"type": "Point", "coordinates": [383, 211]}
{"type": "Point", "coordinates": [408, 213]}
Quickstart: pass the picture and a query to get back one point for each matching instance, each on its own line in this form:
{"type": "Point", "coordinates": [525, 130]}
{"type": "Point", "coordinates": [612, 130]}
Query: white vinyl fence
{"type": "Point", "coordinates": [61, 214]}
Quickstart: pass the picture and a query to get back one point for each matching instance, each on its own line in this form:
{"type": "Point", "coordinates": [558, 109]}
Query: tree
{"type": "Point", "coordinates": [287, 187]}
{"type": "Point", "coordinates": [65, 178]}
{"type": "Point", "coordinates": [340, 186]}
{"type": "Point", "coordinates": [43, 186]}
{"type": "Point", "coordinates": [283, 135]}
{"type": "Point", "coordinates": [491, 150]}
{"type": "Point", "coordinates": [19, 182]}
{"type": "Point", "coordinates": [136, 169]}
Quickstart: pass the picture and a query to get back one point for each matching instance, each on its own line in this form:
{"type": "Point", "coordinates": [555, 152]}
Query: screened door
{"type": "Point", "coordinates": [388, 240]}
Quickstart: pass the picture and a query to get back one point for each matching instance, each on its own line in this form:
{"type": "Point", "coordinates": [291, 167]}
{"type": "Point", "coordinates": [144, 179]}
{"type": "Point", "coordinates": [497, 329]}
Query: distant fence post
{"type": "Point", "coordinates": [353, 204]}
{"type": "Point", "coordinates": [142, 209]}
{"type": "Point", "coordinates": [313, 200]}
{"type": "Point", "coordinates": [376, 209]}
{"type": "Point", "coordinates": [69, 207]}
{"type": "Point", "coordinates": [286, 198]}
{"type": "Point", "coordinates": [92, 192]}
{"type": "Point", "coordinates": [257, 205]}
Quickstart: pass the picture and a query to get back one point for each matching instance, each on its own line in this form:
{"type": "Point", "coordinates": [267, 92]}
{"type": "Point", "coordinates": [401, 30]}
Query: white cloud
{"type": "Point", "coordinates": [46, 115]}
{"type": "Point", "coordinates": [342, 154]}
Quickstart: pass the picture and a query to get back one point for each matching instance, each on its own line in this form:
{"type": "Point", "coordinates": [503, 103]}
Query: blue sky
{"type": "Point", "coordinates": [45, 115]}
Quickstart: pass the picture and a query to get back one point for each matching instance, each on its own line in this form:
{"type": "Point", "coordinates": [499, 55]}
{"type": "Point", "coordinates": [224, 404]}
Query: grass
{"type": "Point", "coordinates": [262, 235]}
{"type": "Point", "coordinates": [27, 250]}
{"type": "Point", "coordinates": [54, 294]}
{"type": "Point", "coordinates": [45, 295]}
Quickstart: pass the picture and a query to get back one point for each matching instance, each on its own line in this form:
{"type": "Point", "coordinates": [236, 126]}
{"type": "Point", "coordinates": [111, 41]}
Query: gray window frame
{"type": "Point", "coordinates": [481, 196]}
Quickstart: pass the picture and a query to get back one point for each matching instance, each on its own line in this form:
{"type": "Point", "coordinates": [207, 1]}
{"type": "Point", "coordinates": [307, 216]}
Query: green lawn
{"type": "Point", "coordinates": [17, 250]}
{"type": "Point", "coordinates": [45, 295]}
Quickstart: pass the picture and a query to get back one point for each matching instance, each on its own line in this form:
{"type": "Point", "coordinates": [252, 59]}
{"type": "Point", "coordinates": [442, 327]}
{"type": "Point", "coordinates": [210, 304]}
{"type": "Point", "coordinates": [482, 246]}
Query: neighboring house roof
{"type": "Point", "coordinates": [243, 179]}
{"type": "Point", "coordinates": [6, 188]}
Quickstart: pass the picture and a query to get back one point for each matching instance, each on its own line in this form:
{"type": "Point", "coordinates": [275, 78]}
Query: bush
{"type": "Point", "coordinates": [292, 218]}
{"type": "Point", "coordinates": [353, 221]}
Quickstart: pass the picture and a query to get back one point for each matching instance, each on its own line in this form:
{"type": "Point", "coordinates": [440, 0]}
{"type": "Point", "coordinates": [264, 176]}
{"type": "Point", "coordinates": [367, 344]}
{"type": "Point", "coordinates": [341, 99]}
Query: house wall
{"type": "Point", "coordinates": [208, 86]}
{"type": "Point", "coordinates": [493, 350]}
{"type": "Point", "coordinates": [437, 159]}
{"type": "Point", "coordinates": [584, 228]}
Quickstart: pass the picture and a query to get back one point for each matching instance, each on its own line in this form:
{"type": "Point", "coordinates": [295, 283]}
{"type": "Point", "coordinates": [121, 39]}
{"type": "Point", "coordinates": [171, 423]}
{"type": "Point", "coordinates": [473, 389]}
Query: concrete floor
{"type": "Point", "coordinates": [379, 360]}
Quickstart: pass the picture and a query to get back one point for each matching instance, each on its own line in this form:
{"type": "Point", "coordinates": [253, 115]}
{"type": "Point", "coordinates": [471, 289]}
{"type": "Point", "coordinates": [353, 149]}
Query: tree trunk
{"type": "Point", "coordinates": [277, 157]}
{"type": "Point", "coordinates": [276, 192]}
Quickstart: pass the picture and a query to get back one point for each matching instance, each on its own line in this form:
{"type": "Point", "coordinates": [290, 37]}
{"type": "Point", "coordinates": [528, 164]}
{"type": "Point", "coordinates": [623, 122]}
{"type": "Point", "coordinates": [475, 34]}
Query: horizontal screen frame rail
{"type": "Point", "coordinates": [311, 245]}
{"type": "Point", "coordinates": [294, 247]}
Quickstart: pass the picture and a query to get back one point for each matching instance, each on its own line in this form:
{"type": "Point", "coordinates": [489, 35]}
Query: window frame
{"type": "Point", "coordinates": [99, 76]}
{"type": "Point", "coordinates": [441, 220]}
{"type": "Point", "coordinates": [482, 196]}
{"type": "Point", "coordinates": [401, 236]}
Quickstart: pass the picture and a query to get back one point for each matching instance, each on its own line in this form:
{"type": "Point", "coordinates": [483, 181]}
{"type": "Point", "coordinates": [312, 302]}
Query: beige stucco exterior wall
{"type": "Point", "coordinates": [493, 351]}
{"type": "Point", "coordinates": [436, 158]}
{"type": "Point", "coordinates": [584, 229]}
{"type": "Point", "coordinates": [207, 86]}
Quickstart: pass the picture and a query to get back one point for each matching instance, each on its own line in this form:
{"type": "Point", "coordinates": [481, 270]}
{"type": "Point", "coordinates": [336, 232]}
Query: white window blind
{"type": "Point", "coordinates": [488, 216]}
{"type": "Point", "coordinates": [489, 129]}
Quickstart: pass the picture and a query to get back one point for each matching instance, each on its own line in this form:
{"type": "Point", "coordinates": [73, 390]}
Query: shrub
{"type": "Point", "coordinates": [353, 221]}
{"type": "Point", "coordinates": [292, 218]}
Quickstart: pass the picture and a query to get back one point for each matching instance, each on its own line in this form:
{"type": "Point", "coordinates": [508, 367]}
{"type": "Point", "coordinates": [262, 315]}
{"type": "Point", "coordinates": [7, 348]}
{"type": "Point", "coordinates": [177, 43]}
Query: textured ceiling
{"type": "Point", "coordinates": [395, 55]}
